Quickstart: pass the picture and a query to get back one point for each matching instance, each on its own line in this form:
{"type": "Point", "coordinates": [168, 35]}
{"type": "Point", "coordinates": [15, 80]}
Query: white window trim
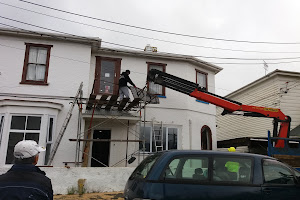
{"type": "Point", "coordinates": [2, 121]}
{"type": "Point", "coordinates": [167, 136]}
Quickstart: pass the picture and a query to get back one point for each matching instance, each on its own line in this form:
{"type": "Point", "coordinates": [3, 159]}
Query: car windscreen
{"type": "Point", "coordinates": [143, 169]}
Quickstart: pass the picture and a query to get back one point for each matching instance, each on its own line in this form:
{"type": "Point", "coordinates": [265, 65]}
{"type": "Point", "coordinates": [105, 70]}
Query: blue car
{"type": "Point", "coordinates": [191, 175]}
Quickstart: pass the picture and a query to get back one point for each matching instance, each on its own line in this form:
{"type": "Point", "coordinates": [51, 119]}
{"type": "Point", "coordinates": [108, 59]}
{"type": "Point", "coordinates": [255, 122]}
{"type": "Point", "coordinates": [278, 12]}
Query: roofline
{"type": "Point", "coordinates": [262, 79]}
{"type": "Point", "coordinates": [94, 42]}
{"type": "Point", "coordinates": [179, 57]}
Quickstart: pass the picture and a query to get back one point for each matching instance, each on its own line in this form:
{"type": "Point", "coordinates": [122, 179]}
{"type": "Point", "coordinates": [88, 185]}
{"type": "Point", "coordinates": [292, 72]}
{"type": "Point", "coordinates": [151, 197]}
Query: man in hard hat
{"type": "Point", "coordinates": [24, 180]}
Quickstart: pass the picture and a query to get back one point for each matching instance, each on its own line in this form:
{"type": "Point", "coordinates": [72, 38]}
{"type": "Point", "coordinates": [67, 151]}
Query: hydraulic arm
{"type": "Point", "coordinates": [230, 106]}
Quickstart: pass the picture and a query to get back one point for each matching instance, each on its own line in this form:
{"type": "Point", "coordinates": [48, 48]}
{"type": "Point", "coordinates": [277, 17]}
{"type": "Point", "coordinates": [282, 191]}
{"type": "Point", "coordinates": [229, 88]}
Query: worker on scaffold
{"type": "Point", "coordinates": [123, 88]}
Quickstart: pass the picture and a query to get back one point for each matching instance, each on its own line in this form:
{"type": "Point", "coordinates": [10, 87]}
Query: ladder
{"type": "Point", "coordinates": [158, 138]}
{"type": "Point", "coordinates": [64, 126]}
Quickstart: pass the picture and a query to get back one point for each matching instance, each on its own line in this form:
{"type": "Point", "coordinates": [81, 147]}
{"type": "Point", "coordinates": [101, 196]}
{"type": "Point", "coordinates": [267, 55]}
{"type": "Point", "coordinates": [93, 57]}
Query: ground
{"type": "Point", "coordinates": [91, 196]}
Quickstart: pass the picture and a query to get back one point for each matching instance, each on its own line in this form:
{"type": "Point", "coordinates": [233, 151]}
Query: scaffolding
{"type": "Point", "coordinates": [110, 108]}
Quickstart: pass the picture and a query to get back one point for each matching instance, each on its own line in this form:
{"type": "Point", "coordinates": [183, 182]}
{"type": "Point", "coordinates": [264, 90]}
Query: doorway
{"type": "Point", "coordinates": [100, 150]}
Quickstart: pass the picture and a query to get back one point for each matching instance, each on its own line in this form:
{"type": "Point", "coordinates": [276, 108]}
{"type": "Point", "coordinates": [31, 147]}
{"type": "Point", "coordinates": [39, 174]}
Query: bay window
{"type": "Point", "coordinates": [22, 127]}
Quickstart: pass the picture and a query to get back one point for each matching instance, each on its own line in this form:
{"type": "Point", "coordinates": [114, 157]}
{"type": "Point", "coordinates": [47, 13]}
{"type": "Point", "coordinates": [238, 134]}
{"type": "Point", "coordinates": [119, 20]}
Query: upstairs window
{"type": "Point", "coordinates": [156, 88]}
{"type": "Point", "coordinates": [36, 64]}
{"type": "Point", "coordinates": [201, 79]}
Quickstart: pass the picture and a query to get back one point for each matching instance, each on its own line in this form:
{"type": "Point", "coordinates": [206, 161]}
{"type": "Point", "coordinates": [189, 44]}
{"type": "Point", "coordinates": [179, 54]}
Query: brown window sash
{"type": "Point", "coordinates": [164, 70]}
{"type": "Point", "coordinates": [98, 74]}
{"type": "Point", "coordinates": [26, 63]}
{"type": "Point", "coordinates": [204, 73]}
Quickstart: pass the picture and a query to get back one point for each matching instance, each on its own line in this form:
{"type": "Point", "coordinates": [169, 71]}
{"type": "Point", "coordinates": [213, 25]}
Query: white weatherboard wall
{"type": "Point", "coordinates": [279, 89]}
{"type": "Point", "coordinates": [69, 66]}
{"type": "Point", "coordinates": [98, 179]}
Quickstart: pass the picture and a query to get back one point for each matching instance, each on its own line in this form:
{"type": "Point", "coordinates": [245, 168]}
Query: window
{"type": "Point", "coordinates": [49, 139]}
{"type": "Point", "coordinates": [168, 139]}
{"type": "Point", "coordinates": [156, 88]}
{"type": "Point", "coordinates": [36, 64]}
{"type": "Point", "coordinates": [22, 127]}
{"type": "Point", "coordinates": [144, 168]}
{"type": "Point", "coordinates": [206, 139]}
{"type": "Point", "coordinates": [201, 79]}
{"type": "Point", "coordinates": [187, 168]}
{"type": "Point", "coordinates": [107, 75]}
{"type": "Point", "coordinates": [232, 169]}
{"type": "Point", "coordinates": [277, 173]}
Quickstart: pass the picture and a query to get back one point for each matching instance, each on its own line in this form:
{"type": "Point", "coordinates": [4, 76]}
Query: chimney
{"type": "Point", "coordinates": [148, 48]}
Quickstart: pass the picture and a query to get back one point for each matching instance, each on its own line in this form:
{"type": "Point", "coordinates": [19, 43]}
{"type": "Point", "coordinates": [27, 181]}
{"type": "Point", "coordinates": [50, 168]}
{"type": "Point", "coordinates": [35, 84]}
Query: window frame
{"type": "Point", "coordinates": [25, 66]}
{"type": "Point", "coordinates": [281, 164]}
{"type": "Point", "coordinates": [98, 74]}
{"type": "Point", "coordinates": [205, 74]}
{"type": "Point", "coordinates": [2, 121]}
{"type": "Point", "coordinates": [210, 137]}
{"type": "Point", "coordinates": [49, 142]}
{"type": "Point", "coordinates": [164, 70]}
{"type": "Point", "coordinates": [232, 182]}
{"type": "Point", "coordinates": [24, 132]}
{"type": "Point", "coordinates": [164, 142]}
{"type": "Point", "coordinates": [185, 180]}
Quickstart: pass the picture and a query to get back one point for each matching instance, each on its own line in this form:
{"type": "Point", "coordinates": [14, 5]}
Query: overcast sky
{"type": "Point", "coordinates": [273, 21]}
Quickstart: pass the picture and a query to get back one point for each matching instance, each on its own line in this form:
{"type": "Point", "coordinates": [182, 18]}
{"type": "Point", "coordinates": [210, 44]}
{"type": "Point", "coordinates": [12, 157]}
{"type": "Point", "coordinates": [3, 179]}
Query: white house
{"type": "Point", "coordinates": [278, 89]}
{"type": "Point", "coordinates": [40, 74]}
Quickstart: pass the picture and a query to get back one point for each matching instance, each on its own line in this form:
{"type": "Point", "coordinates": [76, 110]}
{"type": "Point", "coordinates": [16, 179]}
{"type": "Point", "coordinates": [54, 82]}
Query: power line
{"type": "Point", "coordinates": [135, 35]}
{"type": "Point", "coordinates": [159, 31]}
{"type": "Point", "coordinates": [204, 62]}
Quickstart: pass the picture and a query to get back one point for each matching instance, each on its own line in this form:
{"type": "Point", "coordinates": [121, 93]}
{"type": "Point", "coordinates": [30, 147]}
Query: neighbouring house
{"type": "Point", "coordinates": [40, 74]}
{"type": "Point", "coordinates": [278, 89]}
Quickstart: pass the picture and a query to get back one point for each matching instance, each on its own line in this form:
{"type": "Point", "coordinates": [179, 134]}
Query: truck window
{"type": "Point", "coordinates": [187, 168]}
{"type": "Point", "coordinates": [144, 168]}
{"type": "Point", "coordinates": [232, 169]}
{"type": "Point", "coordinates": [277, 173]}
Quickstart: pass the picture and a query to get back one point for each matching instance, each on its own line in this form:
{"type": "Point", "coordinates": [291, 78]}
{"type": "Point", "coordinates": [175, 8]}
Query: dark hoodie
{"type": "Point", "coordinates": [25, 181]}
{"type": "Point", "coordinates": [124, 79]}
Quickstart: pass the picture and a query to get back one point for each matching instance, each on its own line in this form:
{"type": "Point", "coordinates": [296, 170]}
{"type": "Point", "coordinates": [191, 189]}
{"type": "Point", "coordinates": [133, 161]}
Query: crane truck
{"type": "Point", "coordinates": [192, 89]}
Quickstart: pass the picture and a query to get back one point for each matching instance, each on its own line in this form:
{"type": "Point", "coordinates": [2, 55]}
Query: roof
{"type": "Point", "coordinates": [94, 42]}
{"type": "Point", "coordinates": [264, 78]}
{"type": "Point", "coordinates": [162, 55]}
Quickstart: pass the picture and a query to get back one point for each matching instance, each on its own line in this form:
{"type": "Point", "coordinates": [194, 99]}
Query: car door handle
{"type": "Point", "coordinates": [267, 191]}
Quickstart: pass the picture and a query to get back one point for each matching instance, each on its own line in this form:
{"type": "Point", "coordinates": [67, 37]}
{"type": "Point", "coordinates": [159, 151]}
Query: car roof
{"type": "Point", "coordinates": [210, 152]}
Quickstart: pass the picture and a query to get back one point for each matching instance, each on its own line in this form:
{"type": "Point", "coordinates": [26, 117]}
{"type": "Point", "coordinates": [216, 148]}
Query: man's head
{"type": "Point", "coordinates": [27, 152]}
{"type": "Point", "coordinates": [127, 71]}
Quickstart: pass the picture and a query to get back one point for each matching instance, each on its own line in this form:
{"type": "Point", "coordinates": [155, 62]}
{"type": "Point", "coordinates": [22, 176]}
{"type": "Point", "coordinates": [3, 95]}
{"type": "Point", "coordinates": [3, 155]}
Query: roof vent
{"type": "Point", "coordinates": [148, 48]}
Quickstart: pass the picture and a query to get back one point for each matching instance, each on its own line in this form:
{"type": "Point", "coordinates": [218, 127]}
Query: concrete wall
{"type": "Point", "coordinates": [98, 179]}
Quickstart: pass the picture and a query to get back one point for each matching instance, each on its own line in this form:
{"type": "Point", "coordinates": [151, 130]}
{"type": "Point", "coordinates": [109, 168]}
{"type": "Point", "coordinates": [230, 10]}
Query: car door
{"type": "Point", "coordinates": [193, 177]}
{"type": "Point", "coordinates": [279, 181]}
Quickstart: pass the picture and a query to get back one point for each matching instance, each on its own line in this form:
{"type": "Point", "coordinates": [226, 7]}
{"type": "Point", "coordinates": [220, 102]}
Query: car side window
{"type": "Point", "coordinates": [187, 168]}
{"type": "Point", "coordinates": [277, 173]}
{"type": "Point", "coordinates": [232, 169]}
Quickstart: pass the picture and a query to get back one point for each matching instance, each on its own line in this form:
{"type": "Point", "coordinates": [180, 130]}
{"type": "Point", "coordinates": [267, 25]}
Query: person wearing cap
{"type": "Point", "coordinates": [24, 180]}
{"type": "Point", "coordinates": [123, 87]}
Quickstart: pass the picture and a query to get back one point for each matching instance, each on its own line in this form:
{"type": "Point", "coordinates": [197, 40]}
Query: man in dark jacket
{"type": "Point", "coordinates": [24, 180]}
{"type": "Point", "coordinates": [123, 88]}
